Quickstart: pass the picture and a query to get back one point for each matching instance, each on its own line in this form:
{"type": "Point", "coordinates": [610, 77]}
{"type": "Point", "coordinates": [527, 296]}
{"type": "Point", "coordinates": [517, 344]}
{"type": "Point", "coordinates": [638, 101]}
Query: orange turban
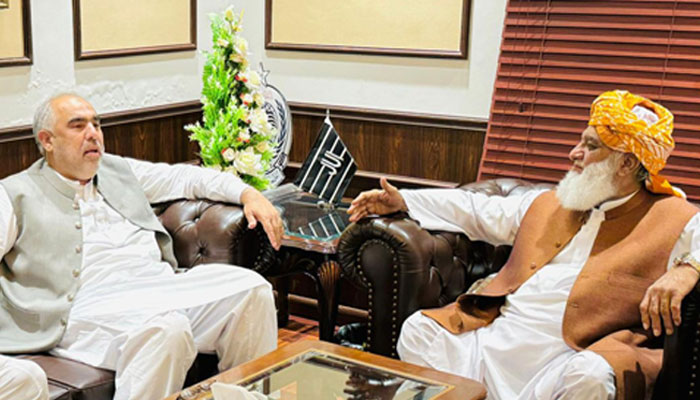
{"type": "Point", "coordinates": [633, 124]}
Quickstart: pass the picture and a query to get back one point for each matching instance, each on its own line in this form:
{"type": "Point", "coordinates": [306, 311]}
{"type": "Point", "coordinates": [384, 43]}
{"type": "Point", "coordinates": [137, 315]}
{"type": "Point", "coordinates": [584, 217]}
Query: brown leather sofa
{"type": "Point", "coordinates": [405, 268]}
{"type": "Point", "coordinates": [203, 232]}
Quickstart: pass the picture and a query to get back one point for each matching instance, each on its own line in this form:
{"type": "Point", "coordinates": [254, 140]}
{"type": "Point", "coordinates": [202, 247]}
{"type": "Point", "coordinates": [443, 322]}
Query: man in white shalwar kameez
{"type": "Point", "coordinates": [129, 311]}
{"type": "Point", "coordinates": [521, 354]}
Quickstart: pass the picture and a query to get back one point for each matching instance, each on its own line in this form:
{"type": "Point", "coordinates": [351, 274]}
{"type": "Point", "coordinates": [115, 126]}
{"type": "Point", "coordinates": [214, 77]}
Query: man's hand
{"type": "Point", "coordinates": [663, 298]}
{"type": "Point", "coordinates": [385, 201]}
{"type": "Point", "coordinates": [257, 208]}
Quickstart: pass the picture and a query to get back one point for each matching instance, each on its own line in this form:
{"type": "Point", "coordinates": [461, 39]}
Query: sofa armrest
{"type": "Point", "coordinates": [208, 232]}
{"type": "Point", "coordinates": [406, 268]}
{"type": "Point", "coordinates": [680, 372]}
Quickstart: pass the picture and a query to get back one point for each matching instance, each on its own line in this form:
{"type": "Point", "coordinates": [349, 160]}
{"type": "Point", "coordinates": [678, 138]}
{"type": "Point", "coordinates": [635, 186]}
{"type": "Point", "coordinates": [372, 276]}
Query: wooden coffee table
{"type": "Point", "coordinates": [312, 369]}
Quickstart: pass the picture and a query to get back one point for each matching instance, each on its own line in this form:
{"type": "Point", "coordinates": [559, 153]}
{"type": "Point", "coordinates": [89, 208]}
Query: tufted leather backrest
{"type": "Point", "coordinates": [406, 268]}
{"type": "Point", "coordinates": [471, 260]}
{"type": "Point", "coordinates": [209, 232]}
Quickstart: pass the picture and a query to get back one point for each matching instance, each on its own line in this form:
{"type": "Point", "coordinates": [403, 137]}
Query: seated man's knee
{"type": "Point", "coordinates": [263, 293]}
{"type": "Point", "coordinates": [590, 372]}
{"type": "Point", "coordinates": [416, 331]}
{"type": "Point", "coordinates": [22, 379]}
{"type": "Point", "coordinates": [174, 333]}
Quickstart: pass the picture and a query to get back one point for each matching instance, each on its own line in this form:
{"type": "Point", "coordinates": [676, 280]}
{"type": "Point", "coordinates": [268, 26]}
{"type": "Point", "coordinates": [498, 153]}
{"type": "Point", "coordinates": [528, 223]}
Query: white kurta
{"type": "Point", "coordinates": [125, 285]}
{"type": "Point", "coordinates": [511, 355]}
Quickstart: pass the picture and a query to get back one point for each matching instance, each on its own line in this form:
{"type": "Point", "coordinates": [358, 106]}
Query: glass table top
{"type": "Point", "coordinates": [309, 223]}
{"type": "Point", "coordinates": [317, 375]}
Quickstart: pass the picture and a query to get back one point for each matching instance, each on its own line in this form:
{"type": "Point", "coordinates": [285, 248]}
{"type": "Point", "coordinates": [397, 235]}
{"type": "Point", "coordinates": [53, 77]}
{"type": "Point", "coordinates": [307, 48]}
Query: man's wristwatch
{"type": "Point", "coordinates": [687, 259]}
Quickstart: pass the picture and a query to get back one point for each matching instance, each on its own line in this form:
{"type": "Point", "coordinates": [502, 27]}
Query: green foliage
{"type": "Point", "coordinates": [234, 134]}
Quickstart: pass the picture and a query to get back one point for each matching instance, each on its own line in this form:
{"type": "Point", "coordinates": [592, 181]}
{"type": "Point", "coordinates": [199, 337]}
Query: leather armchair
{"type": "Point", "coordinates": [202, 232]}
{"type": "Point", "coordinates": [406, 268]}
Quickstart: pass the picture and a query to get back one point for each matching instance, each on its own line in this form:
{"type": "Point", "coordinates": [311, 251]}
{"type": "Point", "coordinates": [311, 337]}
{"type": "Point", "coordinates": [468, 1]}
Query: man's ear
{"type": "Point", "coordinates": [630, 164]}
{"type": "Point", "coordinates": [46, 140]}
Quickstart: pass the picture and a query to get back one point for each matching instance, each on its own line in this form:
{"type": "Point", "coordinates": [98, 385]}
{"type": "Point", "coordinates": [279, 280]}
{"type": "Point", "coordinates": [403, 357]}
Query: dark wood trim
{"type": "Point", "coordinates": [392, 117]}
{"type": "Point", "coordinates": [91, 55]}
{"type": "Point", "coordinates": [77, 30]}
{"type": "Point", "coordinates": [149, 113]}
{"type": "Point", "coordinates": [464, 40]}
{"type": "Point", "coordinates": [310, 109]}
{"type": "Point", "coordinates": [27, 58]}
{"type": "Point", "coordinates": [365, 180]}
{"type": "Point", "coordinates": [268, 22]}
{"type": "Point", "coordinates": [193, 24]}
{"type": "Point", "coordinates": [15, 133]}
{"type": "Point", "coordinates": [377, 51]}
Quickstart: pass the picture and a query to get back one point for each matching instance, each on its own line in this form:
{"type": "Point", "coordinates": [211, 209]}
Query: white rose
{"type": "Point", "coordinates": [249, 163]}
{"type": "Point", "coordinates": [222, 42]}
{"type": "Point", "coordinates": [241, 46]}
{"type": "Point", "coordinates": [229, 154]}
{"type": "Point", "coordinates": [258, 120]}
{"type": "Point", "coordinates": [237, 58]}
{"type": "Point", "coordinates": [263, 146]}
{"type": "Point", "coordinates": [247, 99]}
{"type": "Point", "coordinates": [259, 99]}
{"type": "Point", "coordinates": [253, 80]}
{"type": "Point", "coordinates": [244, 135]}
{"type": "Point", "coordinates": [231, 170]}
{"type": "Point", "coordinates": [229, 14]}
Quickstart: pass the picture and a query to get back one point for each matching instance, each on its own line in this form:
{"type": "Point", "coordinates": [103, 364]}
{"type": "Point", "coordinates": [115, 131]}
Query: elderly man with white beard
{"type": "Point", "coordinates": [599, 267]}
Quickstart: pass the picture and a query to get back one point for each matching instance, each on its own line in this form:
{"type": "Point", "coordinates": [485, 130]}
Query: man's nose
{"type": "Point", "coordinates": [576, 153]}
{"type": "Point", "coordinates": [91, 132]}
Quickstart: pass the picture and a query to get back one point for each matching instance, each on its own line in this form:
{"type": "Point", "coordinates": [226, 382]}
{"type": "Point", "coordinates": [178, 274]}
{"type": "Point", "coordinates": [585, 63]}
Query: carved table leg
{"type": "Point", "coordinates": [327, 278]}
{"type": "Point", "coordinates": [282, 286]}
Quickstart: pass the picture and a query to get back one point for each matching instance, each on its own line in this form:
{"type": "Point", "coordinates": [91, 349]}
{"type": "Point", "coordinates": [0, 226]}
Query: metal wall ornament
{"type": "Point", "coordinates": [4, 3]}
{"type": "Point", "coordinates": [280, 117]}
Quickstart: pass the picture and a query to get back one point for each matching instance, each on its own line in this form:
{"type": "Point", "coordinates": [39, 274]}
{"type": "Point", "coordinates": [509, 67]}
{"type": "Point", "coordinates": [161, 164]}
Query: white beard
{"type": "Point", "coordinates": [581, 191]}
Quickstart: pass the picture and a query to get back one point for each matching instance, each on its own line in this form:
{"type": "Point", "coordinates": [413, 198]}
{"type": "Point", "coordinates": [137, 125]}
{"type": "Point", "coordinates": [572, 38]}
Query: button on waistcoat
{"type": "Point", "coordinates": [41, 273]}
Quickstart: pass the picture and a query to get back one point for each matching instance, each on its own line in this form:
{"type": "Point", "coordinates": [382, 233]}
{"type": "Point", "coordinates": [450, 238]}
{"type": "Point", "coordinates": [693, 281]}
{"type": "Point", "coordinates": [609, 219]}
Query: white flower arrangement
{"type": "Point", "coordinates": [234, 135]}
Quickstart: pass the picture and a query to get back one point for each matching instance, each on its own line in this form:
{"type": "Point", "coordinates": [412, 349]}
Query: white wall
{"type": "Point", "coordinates": [424, 85]}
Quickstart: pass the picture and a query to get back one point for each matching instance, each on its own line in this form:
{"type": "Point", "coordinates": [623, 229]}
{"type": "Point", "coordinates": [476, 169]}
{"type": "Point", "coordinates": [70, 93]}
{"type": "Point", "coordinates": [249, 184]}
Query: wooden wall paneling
{"type": "Point", "coordinates": [152, 133]}
{"type": "Point", "coordinates": [430, 147]}
{"type": "Point", "coordinates": [418, 150]}
{"type": "Point", "coordinates": [158, 140]}
{"type": "Point", "coordinates": [17, 150]}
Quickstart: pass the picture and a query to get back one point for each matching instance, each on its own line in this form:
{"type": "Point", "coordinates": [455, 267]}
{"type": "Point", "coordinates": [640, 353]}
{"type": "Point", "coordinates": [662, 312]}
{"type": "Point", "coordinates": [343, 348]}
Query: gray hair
{"type": "Point", "coordinates": [44, 118]}
{"type": "Point", "coordinates": [642, 173]}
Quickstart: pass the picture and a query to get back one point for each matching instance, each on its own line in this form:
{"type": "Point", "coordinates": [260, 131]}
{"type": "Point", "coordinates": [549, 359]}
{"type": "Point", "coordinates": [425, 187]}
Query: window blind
{"type": "Point", "coordinates": [557, 56]}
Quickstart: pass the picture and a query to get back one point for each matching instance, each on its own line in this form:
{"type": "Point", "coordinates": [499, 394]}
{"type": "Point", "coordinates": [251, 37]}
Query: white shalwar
{"type": "Point", "coordinates": [522, 354]}
{"type": "Point", "coordinates": [22, 379]}
{"type": "Point", "coordinates": [133, 314]}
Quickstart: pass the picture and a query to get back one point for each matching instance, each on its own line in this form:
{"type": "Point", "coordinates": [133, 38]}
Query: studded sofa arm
{"type": "Point", "coordinates": [209, 232]}
{"type": "Point", "coordinates": [680, 373]}
{"type": "Point", "coordinates": [406, 268]}
{"type": "Point", "coordinates": [203, 232]}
